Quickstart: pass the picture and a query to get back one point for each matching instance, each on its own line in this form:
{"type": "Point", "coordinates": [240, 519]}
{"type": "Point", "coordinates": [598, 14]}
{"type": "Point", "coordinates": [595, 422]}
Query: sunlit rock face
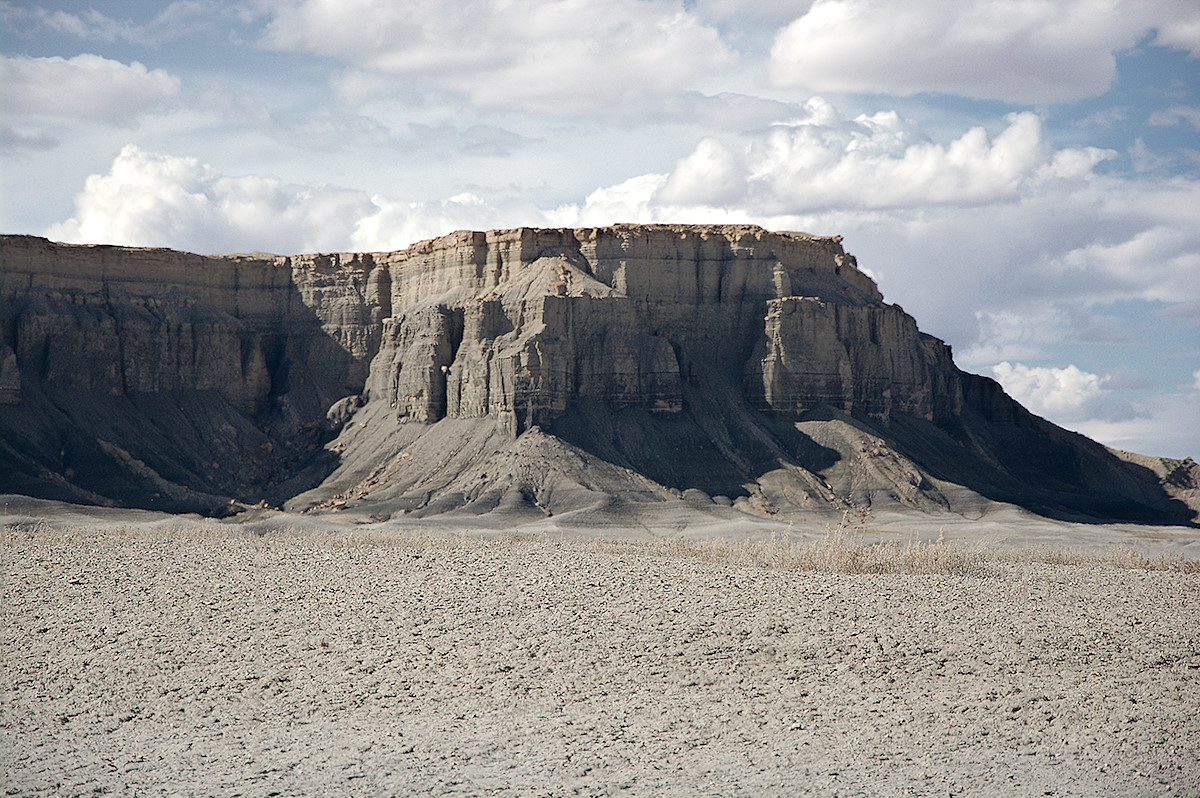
{"type": "Point", "coordinates": [524, 323]}
{"type": "Point", "coordinates": [544, 369]}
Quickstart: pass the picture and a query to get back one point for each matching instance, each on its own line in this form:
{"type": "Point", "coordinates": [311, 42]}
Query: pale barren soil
{"type": "Point", "coordinates": [215, 662]}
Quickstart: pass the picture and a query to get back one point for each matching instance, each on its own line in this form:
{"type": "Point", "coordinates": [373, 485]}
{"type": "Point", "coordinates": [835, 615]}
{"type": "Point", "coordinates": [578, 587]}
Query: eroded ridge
{"type": "Point", "coordinates": [527, 370]}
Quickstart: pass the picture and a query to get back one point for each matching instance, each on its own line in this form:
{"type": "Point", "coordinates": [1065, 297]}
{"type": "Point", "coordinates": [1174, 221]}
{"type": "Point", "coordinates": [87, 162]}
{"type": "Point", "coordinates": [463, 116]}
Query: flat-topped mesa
{"type": "Point", "coordinates": [657, 359]}
{"type": "Point", "coordinates": [523, 323]}
{"type": "Point", "coordinates": [519, 323]}
{"type": "Point", "coordinates": [690, 263]}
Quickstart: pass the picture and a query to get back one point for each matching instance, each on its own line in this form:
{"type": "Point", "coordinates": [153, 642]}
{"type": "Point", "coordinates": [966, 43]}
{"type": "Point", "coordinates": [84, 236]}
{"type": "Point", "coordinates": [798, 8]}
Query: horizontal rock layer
{"type": "Point", "coordinates": [648, 363]}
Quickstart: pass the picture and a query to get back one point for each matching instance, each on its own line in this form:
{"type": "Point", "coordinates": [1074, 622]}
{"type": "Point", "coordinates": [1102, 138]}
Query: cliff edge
{"type": "Point", "coordinates": [597, 371]}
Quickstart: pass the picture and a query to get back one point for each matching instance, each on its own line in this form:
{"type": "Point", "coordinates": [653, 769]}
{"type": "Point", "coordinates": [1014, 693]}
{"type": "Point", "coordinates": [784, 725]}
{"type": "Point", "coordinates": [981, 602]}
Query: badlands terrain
{"type": "Point", "coordinates": [607, 374]}
{"type": "Point", "coordinates": [638, 510]}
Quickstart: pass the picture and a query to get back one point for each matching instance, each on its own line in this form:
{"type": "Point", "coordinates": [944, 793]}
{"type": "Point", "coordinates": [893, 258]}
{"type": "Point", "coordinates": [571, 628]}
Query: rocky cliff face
{"type": "Point", "coordinates": [518, 370]}
{"type": "Point", "coordinates": [522, 324]}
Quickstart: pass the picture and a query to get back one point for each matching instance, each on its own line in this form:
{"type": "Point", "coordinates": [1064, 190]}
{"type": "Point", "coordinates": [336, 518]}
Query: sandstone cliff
{"type": "Point", "coordinates": [528, 370]}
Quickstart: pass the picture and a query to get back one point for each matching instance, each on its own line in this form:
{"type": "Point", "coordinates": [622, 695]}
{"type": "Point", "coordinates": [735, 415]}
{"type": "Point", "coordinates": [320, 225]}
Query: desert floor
{"type": "Point", "coordinates": [159, 659]}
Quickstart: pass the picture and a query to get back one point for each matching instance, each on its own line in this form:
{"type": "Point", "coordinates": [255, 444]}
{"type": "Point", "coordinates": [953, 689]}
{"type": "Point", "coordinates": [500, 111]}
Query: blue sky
{"type": "Point", "coordinates": [1023, 177]}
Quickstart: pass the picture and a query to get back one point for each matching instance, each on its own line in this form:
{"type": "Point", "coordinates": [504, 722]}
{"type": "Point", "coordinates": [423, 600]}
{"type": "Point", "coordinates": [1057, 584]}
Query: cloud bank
{"type": "Point", "coordinates": [149, 199]}
{"type": "Point", "coordinates": [553, 56]}
{"type": "Point", "coordinates": [1029, 52]}
{"type": "Point", "coordinates": [86, 88]}
{"type": "Point", "coordinates": [1065, 393]}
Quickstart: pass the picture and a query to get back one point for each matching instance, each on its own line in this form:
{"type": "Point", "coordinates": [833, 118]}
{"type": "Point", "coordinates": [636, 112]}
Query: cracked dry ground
{"type": "Point", "coordinates": [219, 663]}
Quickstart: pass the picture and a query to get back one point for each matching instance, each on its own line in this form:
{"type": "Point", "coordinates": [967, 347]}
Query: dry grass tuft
{"type": "Point", "coordinates": [1116, 557]}
{"type": "Point", "coordinates": [835, 552]}
{"type": "Point", "coordinates": [839, 550]}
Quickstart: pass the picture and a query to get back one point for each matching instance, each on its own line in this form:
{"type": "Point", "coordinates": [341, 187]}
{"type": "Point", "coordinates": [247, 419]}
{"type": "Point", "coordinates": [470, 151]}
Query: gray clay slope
{"type": "Point", "coordinates": [603, 372]}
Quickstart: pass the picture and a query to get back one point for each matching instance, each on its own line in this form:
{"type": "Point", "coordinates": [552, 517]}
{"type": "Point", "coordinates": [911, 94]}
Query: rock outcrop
{"type": "Point", "coordinates": [528, 370]}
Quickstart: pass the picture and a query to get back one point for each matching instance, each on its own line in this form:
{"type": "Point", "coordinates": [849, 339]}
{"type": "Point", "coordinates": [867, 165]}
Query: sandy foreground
{"type": "Point", "coordinates": [207, 660]}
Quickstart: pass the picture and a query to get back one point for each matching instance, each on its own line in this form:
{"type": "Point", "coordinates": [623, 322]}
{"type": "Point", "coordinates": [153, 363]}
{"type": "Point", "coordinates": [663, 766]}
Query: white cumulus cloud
{"type": "Point", "coordinates": [1031, 52]}
{"type": "Point", "coordinates": [880, 161]}
{"type": "Point", "coordinates": [628, 201]}
{"type": "Point", "coordinates": [86, 88]}
{"type": "Point", "coordinates": [150, 199]}
{"type": "Point", "coordinates": [395, 225]}
{"type": "Point", "coordinates": [543, 55]}
{"type": "Point", "coordinates": [711, 175]}
{"type": "Point", "coordinates": [1066, 394]}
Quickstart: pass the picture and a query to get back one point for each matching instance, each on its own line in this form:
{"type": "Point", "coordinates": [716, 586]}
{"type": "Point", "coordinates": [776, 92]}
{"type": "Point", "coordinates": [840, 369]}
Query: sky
{"type": "Point", "coordinates": [1022, 176]}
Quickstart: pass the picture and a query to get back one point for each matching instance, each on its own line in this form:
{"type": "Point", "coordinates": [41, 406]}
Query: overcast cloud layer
{"type": "Point", "coordinates": [1024, 178]}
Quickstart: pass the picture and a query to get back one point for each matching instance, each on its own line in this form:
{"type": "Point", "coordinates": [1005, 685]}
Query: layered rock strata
{"type": "Point", "coordinates": [540, 370]}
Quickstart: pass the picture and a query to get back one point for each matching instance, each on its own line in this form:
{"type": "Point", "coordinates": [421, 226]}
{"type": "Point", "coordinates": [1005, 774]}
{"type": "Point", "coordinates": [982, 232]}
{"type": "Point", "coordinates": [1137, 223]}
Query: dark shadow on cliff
{"type": "Point", "coordinates": [179, 449]}
{"type": "Point", "coordinates": [136, 400]}
{"type": "Point", "coordinates": [716, 444]}
{"type": "Point", "coordinates": [1000, 450]}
